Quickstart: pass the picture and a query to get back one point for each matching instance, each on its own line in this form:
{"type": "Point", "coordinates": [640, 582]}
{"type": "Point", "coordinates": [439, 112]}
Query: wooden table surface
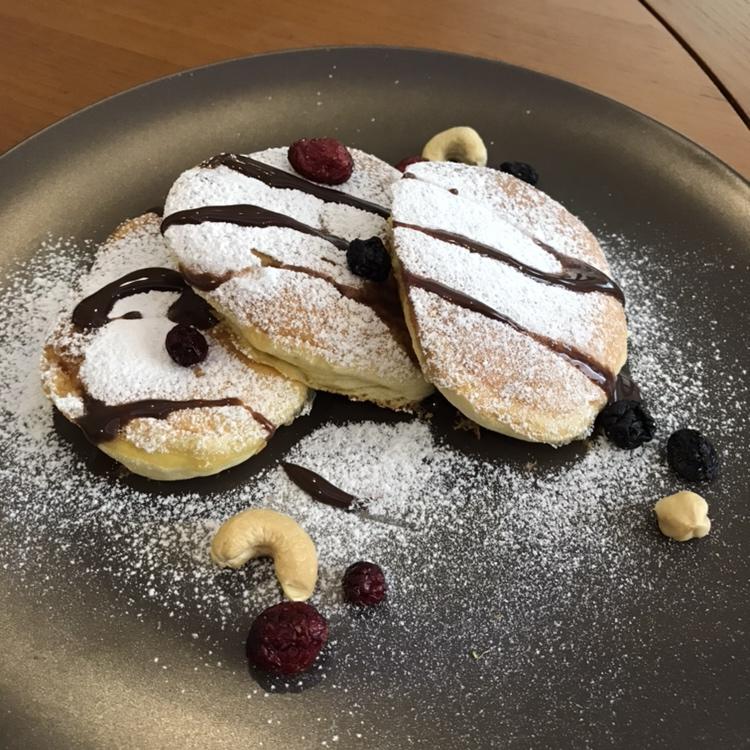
{"type": "Point", "coordinates": [57, 56]}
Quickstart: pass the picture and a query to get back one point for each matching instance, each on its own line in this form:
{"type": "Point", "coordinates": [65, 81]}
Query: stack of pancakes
{"type": "Point", "coordinates": [499, 298]}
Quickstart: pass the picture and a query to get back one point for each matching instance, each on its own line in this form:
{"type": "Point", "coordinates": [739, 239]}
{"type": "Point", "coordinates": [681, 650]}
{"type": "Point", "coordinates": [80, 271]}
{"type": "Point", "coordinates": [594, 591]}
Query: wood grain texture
{"type": "Point", "coordinates": [56, 57]}
{"type": "Point", "coordinates": [717, 32]}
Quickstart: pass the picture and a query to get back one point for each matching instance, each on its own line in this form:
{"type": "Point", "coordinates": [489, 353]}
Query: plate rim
{"type": "Point", "coordinates": [45, 140]}
{"type": "Point", "coordinates": [686, 142]}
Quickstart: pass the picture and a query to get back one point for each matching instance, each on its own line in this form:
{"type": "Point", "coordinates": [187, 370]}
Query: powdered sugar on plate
{"type": "Point", "coordinates": [495, 549]}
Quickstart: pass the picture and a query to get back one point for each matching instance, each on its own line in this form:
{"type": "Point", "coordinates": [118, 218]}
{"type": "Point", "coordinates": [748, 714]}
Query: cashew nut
{"type": "Point", "coordinates": [258, 532]}
{"type": "Point", "coordinates": [462, 144]}
{"type": "Point", "coordinates": [683, 516]}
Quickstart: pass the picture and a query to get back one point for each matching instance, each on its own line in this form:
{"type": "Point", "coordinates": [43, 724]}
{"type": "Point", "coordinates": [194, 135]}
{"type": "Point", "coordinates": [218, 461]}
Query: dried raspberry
{"type": "Point", "coordinates": [186, 345]}
{"type": "Point", "coordinates": [692, 456]}
{"type": "Point", "coordinates": [627, 423]}
{"type": "Point", "coordinates": [286, 638]}
{"type": "Point", "coordinates": [364, 584]}
{"type": "Point", "coordinates": [323, 160]}
{"type": "Point", "coordinates": [522, 170]}
{"type": "Point", "coordinates": [408, 161]}
{"type": "Point", "coordinates": [369, 259]}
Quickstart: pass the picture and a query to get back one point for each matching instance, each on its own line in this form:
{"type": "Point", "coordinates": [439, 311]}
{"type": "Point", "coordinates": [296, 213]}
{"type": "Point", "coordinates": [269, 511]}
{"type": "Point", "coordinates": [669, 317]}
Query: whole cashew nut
{"type": "Point", "coordinates": [258, 532]}
{"type": "Point", "coordinates": [462, 144]}
{"type": "Point", "coordinates": [683, 516]}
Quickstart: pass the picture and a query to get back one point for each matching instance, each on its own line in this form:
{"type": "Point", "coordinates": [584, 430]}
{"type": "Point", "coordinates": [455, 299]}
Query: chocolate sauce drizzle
{"type": "Point", "coordinates": [590, 368]}
{"type": "Point", "coordinates": [383, 300]}
{"type": "Point", "coordinates": [318, 488]}
{"type": "Point", "coordinates": [625, 387]}
{"type": "Point", "coordinates": [206, 282]}
{"type": "Point", "coordinates": [102, 422]}
{"type": "Point", "coordinates": [93, 311]}
{"type": "Point", "coordinates": [246, 215]}
{"type": "Point", "coordinates": [576, 274]}
{"type": "Point", "coordinates": [132, 315]}
{"type": "Point", "coordinates": [278, 178]}
{"type": "Point", "coordinates": [192, 310]}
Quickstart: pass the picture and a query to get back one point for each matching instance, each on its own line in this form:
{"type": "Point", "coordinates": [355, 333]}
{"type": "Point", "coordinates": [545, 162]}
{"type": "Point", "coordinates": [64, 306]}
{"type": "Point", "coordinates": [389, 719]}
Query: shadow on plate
{"type": "Point", "coordinates": [448, 426]}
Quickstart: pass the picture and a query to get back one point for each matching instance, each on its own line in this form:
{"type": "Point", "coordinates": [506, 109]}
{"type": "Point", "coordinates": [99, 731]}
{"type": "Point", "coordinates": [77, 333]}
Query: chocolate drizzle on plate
{"type": "Point", "coordinates": [324, 492]}
{"type": "Point", "coordinates": [318, 488]}
{"type": "Point", "coordinates": [278, 178]}
{"type": "Point", "coordinates": [589, 367]}
{"type": "Point", "coordinates": [93, 311]}
{"type": "Point", "coordinates": [576, 275]}
{"type": "Point", "coordinates": [625, 387]}
{"type": "Point", "coordinates": [246, 215]}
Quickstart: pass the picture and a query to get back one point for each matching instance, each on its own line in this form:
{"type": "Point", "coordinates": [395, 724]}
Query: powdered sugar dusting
{"type": "Point", "coordinates": [313, 320]}
{"type": "Point", "coordinates": [561, 314]}
{"type": "Point", "coordinates": [126, 360]}
{"type": "Point", "coordinates": [134, 244]}
{"type": "Point", "coordinates": [463, 351]}
{"type": "Point", "coordinates": [296, 311]}
{"type": "Point", "coordinates": [220, 247]}
{"type": "Point", "coordinates": [529, 209]}
{"type": "Point", "coordinates": [494, 549]}
{"type": "Point", "coordinates": [417, 201]}
{"type": "Point", "coordinates": [532, 395]}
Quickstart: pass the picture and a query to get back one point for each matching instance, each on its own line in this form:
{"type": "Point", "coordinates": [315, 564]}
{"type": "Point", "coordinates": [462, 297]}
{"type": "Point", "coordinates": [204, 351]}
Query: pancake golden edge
{"type": "Point", "coordinates": [187, 453]}
{"type": "Point", "coordinates": [289, 336]}
{"type": "Point", "coordinates": [317, 373]}
{"type": "Point", "coordinates": [527, 424]}
{"type": "Point", "coordinates": [568, 417]}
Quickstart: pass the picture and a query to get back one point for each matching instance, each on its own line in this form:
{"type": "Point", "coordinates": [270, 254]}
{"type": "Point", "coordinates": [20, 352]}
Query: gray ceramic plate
{"type": "Point", "coordinates": [681, 664]}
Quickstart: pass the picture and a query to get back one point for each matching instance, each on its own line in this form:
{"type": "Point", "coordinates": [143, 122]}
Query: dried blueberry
{"type": "Point", "coordinates": [692, 456]}
{"type": "Point", "coordinates": [186, 345]}
{"type": "Point", "coordinates": [324, 160]}
{"type": "Point", "coordinates": [522, 170]}
{"type": "Point", "coordinates": [627, 423]}
{"type": "Point", "coordinates": [369, 259]}
{"type": "Point", "coordinates": [364, 584]}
